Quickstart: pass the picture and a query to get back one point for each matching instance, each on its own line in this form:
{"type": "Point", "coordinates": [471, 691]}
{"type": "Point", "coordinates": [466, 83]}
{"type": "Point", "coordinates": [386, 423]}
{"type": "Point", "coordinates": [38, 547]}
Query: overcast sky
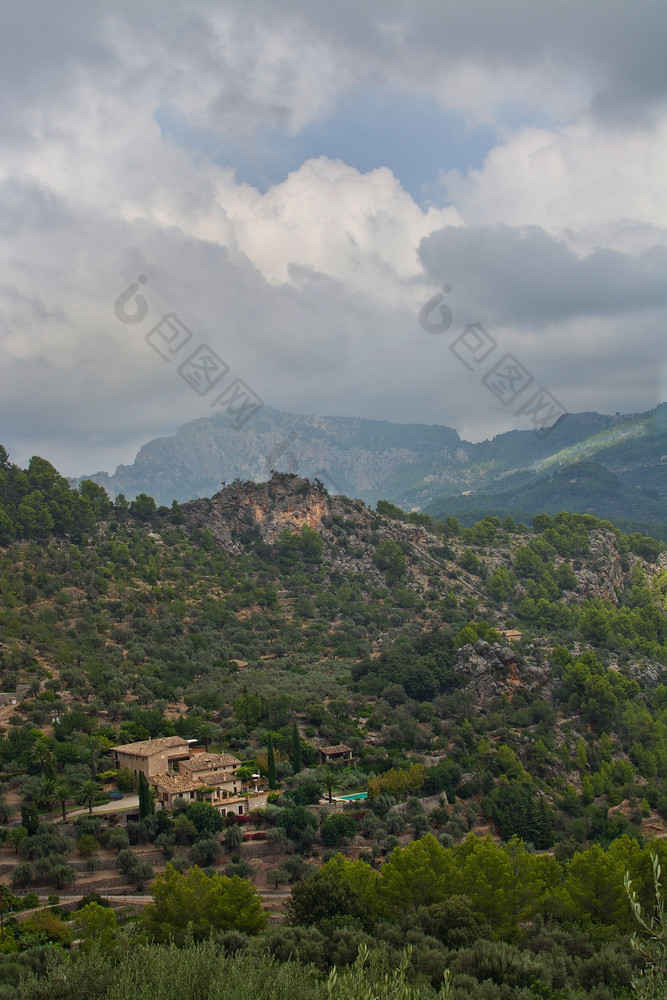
{"type": "Point", "coordinates": [294, 181]}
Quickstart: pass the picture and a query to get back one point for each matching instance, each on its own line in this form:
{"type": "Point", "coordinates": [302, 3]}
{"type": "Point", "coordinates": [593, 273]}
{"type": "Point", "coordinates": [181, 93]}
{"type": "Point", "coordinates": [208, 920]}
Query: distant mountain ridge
{"type": "Point", "coordinates": [611, 466]}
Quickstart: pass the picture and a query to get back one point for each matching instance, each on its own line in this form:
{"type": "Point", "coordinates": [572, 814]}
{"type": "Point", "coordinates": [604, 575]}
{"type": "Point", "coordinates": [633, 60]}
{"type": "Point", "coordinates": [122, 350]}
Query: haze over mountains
{"type": "Point", "coordinates": [612, 466]}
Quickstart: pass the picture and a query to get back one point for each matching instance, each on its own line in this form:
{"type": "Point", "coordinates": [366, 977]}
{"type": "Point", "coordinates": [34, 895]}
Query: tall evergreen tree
{"type": "Point", "coordinates": [146, 807]}
{"type": "Point", "coordinates": [295, 755]}
{"type": "Point", "coordinates": [271, 762]}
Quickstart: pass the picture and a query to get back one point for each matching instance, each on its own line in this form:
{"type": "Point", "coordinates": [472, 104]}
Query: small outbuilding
{"type": "Point", "coordinates": [339, 752]}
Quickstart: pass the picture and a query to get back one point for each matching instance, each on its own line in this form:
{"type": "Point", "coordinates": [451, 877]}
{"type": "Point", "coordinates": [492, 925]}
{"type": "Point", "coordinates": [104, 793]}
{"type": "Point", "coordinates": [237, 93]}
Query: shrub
{"type": "Point", "coordinates": [117, 839]}
{"type": "Point", "coordinates": [126, 781]}
{"type": "Point", "coordinates": [205, 851]}
{"type": "Point", "coordinates": [337, 829]}
{"type": "Point", "coordinates": [205, 817]}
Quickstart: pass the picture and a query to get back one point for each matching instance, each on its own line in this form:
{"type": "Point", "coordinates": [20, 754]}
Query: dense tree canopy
{"type": "Point", "coordinates": [199, 904]}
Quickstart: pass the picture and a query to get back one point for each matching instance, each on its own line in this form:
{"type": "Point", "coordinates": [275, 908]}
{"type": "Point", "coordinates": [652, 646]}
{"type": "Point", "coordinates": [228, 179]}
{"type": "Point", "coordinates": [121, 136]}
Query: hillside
{"type": "Point", "coordinates": [308, 599]}
{"type": "Point", "coordinates": [587, 487]}
{"type": "Point", "coordinates": [491, 682]}
{"type": "Point", "coordinates": [417, 466]}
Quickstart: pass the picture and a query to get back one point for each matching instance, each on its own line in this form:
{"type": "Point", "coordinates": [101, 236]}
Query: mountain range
{"type": "Point", "coordinates": [612, 466]}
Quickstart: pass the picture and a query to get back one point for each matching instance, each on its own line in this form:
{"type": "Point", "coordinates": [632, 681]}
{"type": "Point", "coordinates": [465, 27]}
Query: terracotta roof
{"type": "Point", "coordinates": [340, 748]}
{"type": "Point", "coordinates": [209, 762]}
{"type": "Point", "coordinates": [146, 748]}
{"type": "Point", "coordinates": [177, 783]}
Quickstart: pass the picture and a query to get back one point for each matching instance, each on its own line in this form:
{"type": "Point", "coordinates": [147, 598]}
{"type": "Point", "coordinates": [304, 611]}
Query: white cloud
{"type": "Point", "coordinates": [592, 185]}
{"type": "Point", "coordinates": [361, 229]}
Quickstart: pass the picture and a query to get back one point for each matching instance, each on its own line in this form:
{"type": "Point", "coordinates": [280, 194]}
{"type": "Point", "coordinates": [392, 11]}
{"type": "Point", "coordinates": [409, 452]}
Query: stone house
{"type": "Point", "coordinates": [212, 778]}
{"type": "Point", "coordinates": [177, 769]}
{"type": "Point", "coordinates": [339, 752]}
{"type": "Point", "coordinates": [152, 756]}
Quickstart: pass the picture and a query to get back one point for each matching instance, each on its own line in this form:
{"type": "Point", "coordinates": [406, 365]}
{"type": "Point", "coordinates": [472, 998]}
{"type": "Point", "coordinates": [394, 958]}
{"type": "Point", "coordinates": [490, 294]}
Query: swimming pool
{"type": "Point", "coordinates": [350, 798]}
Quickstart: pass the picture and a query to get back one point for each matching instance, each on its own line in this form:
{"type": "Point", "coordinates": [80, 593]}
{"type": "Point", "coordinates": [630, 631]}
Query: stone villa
{"type": "Point", "coordinates": [177, 769]}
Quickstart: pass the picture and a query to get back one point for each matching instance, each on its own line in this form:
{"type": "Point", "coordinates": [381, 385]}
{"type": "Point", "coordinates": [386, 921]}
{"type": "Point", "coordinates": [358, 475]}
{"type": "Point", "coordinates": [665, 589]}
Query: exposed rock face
{"type": "Point", "coordinates": [351, 455]}
{"type": "Point", "coordinates": [349, 530]}
{"type": "Point", "coordinates": [247, 512]}
{"type": "Point", "coordinates": [603, 575]}
{"type": "Point", "coordinates": [286, 501]}
{"type": "Point", "coordinates": [492, 670]}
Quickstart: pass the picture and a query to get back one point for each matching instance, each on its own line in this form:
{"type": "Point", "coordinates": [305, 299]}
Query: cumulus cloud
{"type": "Point", "coordinates": [590, 184]}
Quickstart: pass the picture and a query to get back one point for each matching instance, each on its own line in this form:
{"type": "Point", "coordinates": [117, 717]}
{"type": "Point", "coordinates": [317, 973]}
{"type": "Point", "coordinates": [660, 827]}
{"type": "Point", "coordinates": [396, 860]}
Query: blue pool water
{"type": "Point", "coordinates": [349, 798]}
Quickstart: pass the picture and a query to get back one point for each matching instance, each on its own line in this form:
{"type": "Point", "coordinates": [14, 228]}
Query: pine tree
{"type": "Point", "coordinates": [295, 755]}
{"type": "Point", "coordinates": [145, 799]}
{"type": "Point", "coordinates": [271, 762]}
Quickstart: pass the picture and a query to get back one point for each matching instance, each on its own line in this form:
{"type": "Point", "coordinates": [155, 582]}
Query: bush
{"type": "Point", "coordinates": [167, 844]}
{"type": "Point", "coordinates": [117, 839]}
{"type": "Point", "coordinates": [337, 829]}
{"type": "Point", "coordinates": [240, 867]}
{"type": "Point", "coordinates": [205, 817]}
{"type": "Point", "coordinates": [305, 945]}
{"type": "Point", "coordinates": [86, 845]}
{"type": "Point", "coordinates": [23, 874]}
{"type": "Point", "coordinates": [92, 897]}
{"type": "Point", "coordinates": [126, 781]}
{"type": "Point", "coordinates": [502, 963]}
{"type": "Point", "coordinates": [194, 905]}
{"type": "Point", "coordinates": [277, 877]}
{"type": "Point", "coordinates": [143, 832]}
{"type": "Point", "coordinates": [205, 851]}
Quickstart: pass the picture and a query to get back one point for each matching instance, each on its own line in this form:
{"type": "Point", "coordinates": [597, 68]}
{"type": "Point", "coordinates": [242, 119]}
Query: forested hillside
{"type": "Point", "coordinates": [512, 779]}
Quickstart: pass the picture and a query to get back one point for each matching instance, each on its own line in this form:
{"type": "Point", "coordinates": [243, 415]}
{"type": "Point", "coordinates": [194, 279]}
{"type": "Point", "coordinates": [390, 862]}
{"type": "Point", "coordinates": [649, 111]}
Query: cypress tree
{"type": "Point", "coordinates": [295, 755]}
{"type": "Point", "coordinates": [271, 762]}
{"type": "Point", "coordinates": [146, 807]}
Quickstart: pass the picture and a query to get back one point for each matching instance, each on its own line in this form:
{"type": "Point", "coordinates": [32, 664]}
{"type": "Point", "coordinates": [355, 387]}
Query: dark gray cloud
{"type": "Point", "coordinates": [527, 278]}
{"type": "Point", "coordinates": [609, 52]}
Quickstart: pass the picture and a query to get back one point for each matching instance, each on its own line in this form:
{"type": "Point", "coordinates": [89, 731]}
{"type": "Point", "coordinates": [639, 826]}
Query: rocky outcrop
{"type": "Point", "coordinates": [602, 575]}
{"type": "Point", "coordinates": [264, 510]}
{"type": "Point", "coordinates": [492, 670]}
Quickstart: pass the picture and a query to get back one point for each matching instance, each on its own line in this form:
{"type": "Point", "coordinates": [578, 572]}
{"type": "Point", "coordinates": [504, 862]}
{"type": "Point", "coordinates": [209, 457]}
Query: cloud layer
{"type": "Point", "coordinates": [308, 286]}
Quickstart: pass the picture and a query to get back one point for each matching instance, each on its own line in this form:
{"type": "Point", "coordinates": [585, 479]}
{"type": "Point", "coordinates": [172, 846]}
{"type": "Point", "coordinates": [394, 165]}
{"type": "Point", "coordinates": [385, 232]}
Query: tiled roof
{"type": "Point", "coordinates": [146, 748]}
{"type": "Point", "coordinates": [209, 762]}
{"type": "Point", "coordinates": [178, 783]}
{"type": "Point", "coordinates": [340, 748]}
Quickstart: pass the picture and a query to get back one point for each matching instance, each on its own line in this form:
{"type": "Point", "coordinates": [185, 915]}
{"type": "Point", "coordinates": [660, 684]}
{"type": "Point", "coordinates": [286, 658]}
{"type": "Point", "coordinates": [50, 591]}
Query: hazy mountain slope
{"type": "Point", "coordinates": [361, 457]}
{"type": "Point", "coordinates": [415, 465]}
{"type": "Point", "coordinates": [586, 487]}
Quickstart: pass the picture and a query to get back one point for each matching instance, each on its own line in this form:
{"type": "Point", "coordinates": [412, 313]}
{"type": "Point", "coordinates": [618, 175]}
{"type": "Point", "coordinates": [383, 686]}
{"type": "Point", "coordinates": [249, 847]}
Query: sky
{"type": "Point", "coordinates": [290, 183]}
